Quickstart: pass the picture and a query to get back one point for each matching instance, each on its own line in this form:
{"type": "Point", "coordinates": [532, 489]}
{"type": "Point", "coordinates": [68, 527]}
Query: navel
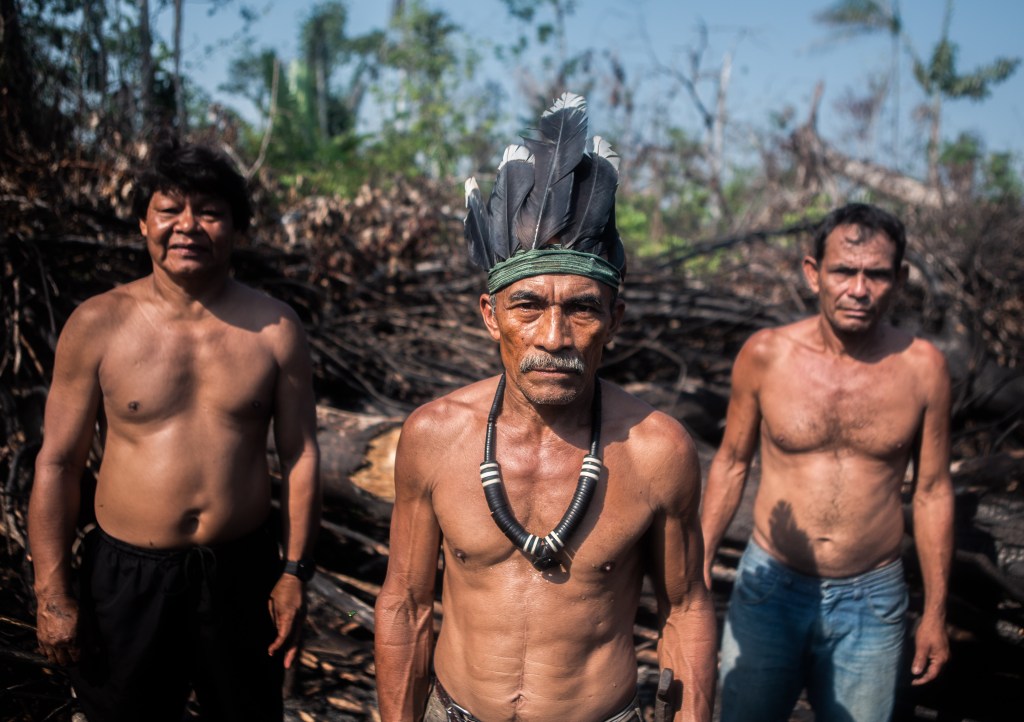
{"type": "Point", "coordinates": [190, 523]}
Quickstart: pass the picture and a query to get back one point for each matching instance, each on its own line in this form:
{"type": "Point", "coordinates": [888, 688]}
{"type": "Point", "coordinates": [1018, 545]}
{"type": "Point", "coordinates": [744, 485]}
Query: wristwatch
{"type": "Point", "coordinates": [304, 569]}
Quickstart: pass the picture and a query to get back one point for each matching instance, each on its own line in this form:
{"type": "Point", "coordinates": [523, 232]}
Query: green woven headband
{"type": "Point", "coordinates": [542, 261]}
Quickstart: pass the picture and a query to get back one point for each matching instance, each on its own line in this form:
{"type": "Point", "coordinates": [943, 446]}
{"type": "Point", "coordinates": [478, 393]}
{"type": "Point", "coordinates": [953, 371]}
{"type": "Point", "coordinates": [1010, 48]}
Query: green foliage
{"type": "Point", "coordinates": [991, 176]}
{"type": "Point", "coordinates": [1002, 182]}
{"type": "Point", "coordinates": [433, 118]}
{"type": "Point", "coordinates": [939, 74]}
{"type": "Point", "coordinates": [862, 17]}
{"type": "Point", "coordinates": [86, 58]}
{"type": "Point", "coordinates": [313, 105]}
{"type": "Point", "coordinates": [813, 212]}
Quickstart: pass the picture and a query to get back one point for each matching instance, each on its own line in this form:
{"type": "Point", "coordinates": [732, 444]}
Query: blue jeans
{"type": "Point", "coordinates": [839, 638]}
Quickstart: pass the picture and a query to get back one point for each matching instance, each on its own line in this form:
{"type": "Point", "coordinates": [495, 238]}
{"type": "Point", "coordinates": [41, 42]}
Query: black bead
{"type": "Point", "coordinates": [542, 564]}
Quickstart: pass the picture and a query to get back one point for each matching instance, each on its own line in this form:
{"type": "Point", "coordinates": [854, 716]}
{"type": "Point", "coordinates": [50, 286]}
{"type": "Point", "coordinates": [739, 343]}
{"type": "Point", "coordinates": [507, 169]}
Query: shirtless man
{"type": "Point", "coordinates": [841, 402]}
{"type": "Point", "coordinates": [533, 631]}
{"type": "Point", "coordinates": [181, 582]}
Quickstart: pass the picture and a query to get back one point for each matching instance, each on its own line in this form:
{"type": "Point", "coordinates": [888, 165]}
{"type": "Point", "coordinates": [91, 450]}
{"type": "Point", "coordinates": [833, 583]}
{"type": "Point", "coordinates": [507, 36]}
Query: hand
{"type": "Point", "coordinates": [57, 629]}
{"type": "Point", "coordinates": [931, 649]}
{"type": "Point", "coordinates": [288, 609]}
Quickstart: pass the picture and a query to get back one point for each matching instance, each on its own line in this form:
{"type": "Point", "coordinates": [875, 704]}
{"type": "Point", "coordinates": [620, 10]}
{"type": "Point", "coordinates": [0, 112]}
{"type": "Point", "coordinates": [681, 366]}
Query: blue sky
{"type": "Point", "coordinates": [779, 54]}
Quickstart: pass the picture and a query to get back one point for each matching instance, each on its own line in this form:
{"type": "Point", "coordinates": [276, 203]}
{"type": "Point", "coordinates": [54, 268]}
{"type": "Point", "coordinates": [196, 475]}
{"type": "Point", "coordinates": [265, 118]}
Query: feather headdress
{"type": "Point", "coordinates": [554, 195]}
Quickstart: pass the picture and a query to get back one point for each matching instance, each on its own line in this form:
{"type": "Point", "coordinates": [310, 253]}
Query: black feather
{"type": "Point", "coordinates": [511, 186]}
{"type": "Point", "coordinates": [557, 146]}
{"type": "Point", "coordinates": [596, 179]}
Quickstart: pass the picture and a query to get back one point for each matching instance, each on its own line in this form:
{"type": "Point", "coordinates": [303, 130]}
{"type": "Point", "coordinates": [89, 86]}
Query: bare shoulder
{"type": "Point", "coordinates": [927, 363]}
{"type": "Point", "coordinates": [448, 418]}
{"type": "Point", "coordinates": [765, 350]}
{"type": "Point", "coordinates": [926, 356]}
{"type": "Point", "coordinates": [436, 437]}
{"type": "Point", "coordinates": [659, 450]}
{"type": "Point", "coordinates": [276, 324]}
{"type": "Point", "coordinates": [97, 317]}
{"type": "Point", "coordinates": [261, 307]}
{"type": "Point", "coordinates": [771, 344]}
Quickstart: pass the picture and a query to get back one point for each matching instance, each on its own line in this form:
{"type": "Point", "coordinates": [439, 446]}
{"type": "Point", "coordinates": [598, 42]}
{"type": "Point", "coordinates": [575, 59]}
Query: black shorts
{"type": "Point", "coordinates": [155, 625]}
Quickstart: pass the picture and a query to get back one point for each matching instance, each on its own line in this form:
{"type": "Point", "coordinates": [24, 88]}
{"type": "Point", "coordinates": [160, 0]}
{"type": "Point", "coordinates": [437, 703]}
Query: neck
{"type": "Point", "coordinates": [188, 293]}
{"type": "Point", "coordinates": [854, 345]}
{"type": "Point", "coordinates": [549, 418]}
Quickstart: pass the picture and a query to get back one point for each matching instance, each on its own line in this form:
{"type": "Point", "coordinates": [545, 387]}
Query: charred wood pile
{"type": "Point", "coordinates": [391, 307]}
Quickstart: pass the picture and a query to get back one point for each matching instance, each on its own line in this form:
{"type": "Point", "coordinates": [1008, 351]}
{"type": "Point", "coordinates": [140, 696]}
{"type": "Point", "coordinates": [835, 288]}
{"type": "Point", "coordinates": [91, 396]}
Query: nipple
{"type": "Point", "coordinates": [133, 406]}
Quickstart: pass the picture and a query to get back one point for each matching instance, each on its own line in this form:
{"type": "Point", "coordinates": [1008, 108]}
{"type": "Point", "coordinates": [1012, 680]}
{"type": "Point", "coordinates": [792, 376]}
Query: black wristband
{"type": "Point", "coordinates": [304, 569]}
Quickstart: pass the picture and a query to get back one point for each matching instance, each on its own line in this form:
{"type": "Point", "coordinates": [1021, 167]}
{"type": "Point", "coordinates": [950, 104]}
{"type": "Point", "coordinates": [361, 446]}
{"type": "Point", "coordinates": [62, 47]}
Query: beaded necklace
{"type": "Point", "coordinates": [541, 550]}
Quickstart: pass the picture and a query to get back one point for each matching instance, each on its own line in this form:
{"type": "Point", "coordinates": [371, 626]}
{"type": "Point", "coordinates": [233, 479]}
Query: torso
{"type": "Point", "coordinates": [836, 437]}
{"type": "Point", "coordinates": [186, 406]}
{"type": "Point", "coordinates": [517, 643]}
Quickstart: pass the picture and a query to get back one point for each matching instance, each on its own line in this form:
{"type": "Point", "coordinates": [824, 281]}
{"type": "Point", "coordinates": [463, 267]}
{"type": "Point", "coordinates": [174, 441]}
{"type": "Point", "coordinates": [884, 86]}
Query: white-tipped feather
{"type": "Point", "coordinates": [594, 196]}
{"type": "Point", "coordinates": [511, 187]}
{"type": "Point", "coordinates": [557, 144]}
{"type": "Point", "coordinates": [477, 225]}
{"type": "Point", "coordinates": [514, 152]}
{"type": "Point", "coordinates": [604, 149]}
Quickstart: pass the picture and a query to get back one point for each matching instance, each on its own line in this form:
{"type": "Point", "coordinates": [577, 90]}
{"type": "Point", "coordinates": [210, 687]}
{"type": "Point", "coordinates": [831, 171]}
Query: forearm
{"type": "Point", "coordinates": [722, 496]}
{"type": "Point", "coordinates": [688, 647]}
{"type": "Point", "coordinates": [53, 513]}
{"type": "Point", "coordinates": [403, 643]}
{"type": "Point", "coordinates": [933, 538]}
{"type": "Point", "coordinates": [302, 505]}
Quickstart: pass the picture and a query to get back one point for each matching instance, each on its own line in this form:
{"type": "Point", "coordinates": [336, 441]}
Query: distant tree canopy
{"type": "Point", "coordinates": [413, 99]}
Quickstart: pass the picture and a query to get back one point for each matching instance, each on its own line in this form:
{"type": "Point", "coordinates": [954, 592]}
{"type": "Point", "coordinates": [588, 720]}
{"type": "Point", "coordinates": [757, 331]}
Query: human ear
{"type": "Point", "coordinates": [486, 303]}
{"type": "Point", "coordinates": [810, 268]}
{"type": "Point", "coordinates": [618, 311]}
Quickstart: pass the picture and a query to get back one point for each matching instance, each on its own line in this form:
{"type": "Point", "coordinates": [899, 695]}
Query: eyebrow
{"type": "Point", "coordinates": [525, 295]}
{"type": "Point", "coordinates": [866, 269]}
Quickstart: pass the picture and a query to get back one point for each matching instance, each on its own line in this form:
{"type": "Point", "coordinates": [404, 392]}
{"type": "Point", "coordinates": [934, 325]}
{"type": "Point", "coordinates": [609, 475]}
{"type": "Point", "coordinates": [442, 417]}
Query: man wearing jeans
{"type": "Point", "coordinates": [841, 403]}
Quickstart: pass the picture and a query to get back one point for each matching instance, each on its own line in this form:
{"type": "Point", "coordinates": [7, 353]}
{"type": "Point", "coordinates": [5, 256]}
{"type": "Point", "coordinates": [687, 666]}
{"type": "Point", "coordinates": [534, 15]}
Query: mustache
{"type": "Point", "coordinates": [568, 362]}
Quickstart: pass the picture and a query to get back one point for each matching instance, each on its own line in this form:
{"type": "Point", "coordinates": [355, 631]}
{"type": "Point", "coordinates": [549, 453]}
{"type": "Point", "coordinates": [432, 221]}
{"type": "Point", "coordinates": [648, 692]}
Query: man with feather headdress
{"type": "Point", "coordinates": [538, 624]}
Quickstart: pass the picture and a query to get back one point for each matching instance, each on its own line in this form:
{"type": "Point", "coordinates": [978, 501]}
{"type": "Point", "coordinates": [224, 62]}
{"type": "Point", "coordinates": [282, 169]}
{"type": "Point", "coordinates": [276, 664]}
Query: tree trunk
{"type": "Point", "coordinates": [146, 62]}
{"type": "Point", "coordinates": [179, 93]}
{"type": "Point", "coordinates": [934, 136]}
{"type": "Point", "coordinates": [15, 79]}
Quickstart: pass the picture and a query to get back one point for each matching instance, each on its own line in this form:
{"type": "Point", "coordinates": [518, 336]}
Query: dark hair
{"type": "Point", "coordinates": [188, 168]}
{"type": "Point", "coordinates": [866, 217]}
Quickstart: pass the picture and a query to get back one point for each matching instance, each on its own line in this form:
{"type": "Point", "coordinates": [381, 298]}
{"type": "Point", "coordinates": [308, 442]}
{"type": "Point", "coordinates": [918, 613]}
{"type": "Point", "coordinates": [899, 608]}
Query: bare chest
{"type": "Point", "coordinates": [872, 411]}
{"type": "Point", "coordinates": [150, 373]}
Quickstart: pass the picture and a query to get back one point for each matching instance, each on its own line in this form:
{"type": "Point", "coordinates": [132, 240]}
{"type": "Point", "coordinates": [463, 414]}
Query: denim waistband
{"type": "Point", "coordinates": [756, 555]}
